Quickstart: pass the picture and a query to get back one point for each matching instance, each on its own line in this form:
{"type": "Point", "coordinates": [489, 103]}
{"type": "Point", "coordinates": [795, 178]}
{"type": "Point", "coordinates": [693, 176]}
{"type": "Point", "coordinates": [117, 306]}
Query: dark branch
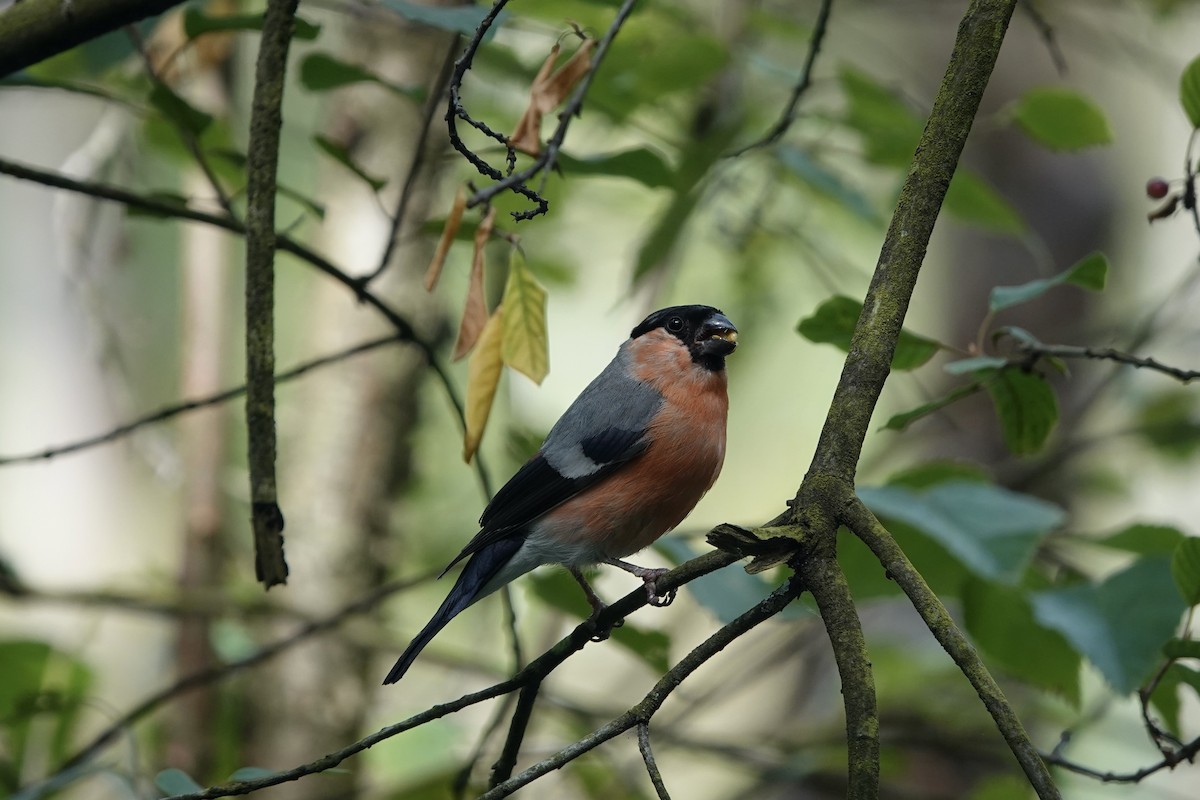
{"type": "Point", "coordinates": [1106, 354]}
{"type": "Point", "coordinates": [502, 769]}
{"type": "Point", "coordinates": [645, 710]}
{"type": "Point", "coordinates": [536, 671]}
{"type": "Point", "coordinates": [167, 412]}
{"type": "Point", "coordinates": [1187, 752]}
{"type": "Point", "coordinates": [788, 116]}
{"type": "Point", "coordinates": [34, 30]}
{"type": "Point", "coordinates": [660, 788]}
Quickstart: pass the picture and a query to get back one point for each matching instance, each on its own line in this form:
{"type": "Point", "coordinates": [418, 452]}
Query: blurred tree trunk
{"type": "Point", "coordinates": [345, 438]}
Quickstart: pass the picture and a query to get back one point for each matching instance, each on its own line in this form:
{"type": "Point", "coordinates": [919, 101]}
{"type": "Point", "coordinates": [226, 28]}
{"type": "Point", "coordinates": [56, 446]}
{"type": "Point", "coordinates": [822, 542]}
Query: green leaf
{"type": "Point", "coordinates": [464, 19]}
{"type": "Point", "coordinates": [1145, 539]}
{"type": "Point", "coordinates": [726, 593]}
{"type": "Point", "coordinates": [1170, 424]}
{"type": "Point", "coordinates": [931, 473]}
{"type": "Point", "coordinates": [526, 344]}
{"type": "Point", "coordinates": [1000, 619]}
{"type": "Point", "coordinates": [1026, 407]}
{"type": "Point", "coordinates": [971, 199]}
{"type": "Point", "coordinates": [197, 23]}
{"type": "Point", "coordinates": [833, 323]}
{"type": "Point", "coordinates": [653, 647]}
{"type": "Point", "coordinates": [178, 110]}
{"type": "Point", "coordinates": [1001, 787]}
{"type": "Point", "coordinates": [1120, 625]}
{"type": "Point", "coordinates": [1182, 648]}
{"type": "Point", "coordinates": [992, 531]}
{"type": "Point", "coordinates": [1090, 272]}
{"type": "Point", "coordinates": [1185, 568]}
{"type": "Point", "coordinates": [340, 155]}
{"type": "Point", "coordinates": [640, 164]}
{"type": "Point", "coordinates": [175, 781]}
{"type": "Point", "coordinates": [1061, 119]}
{"type": "Point", "coordinates": [890, 129]}
{"type": "Point", "coordinates": [899, 422]}
{"type": "Point", "coordinates": [1189, 91]}
{"type": "Point", "coordinates": [320, 72]}
{"type": "Point", "coordinates": [825, 182]}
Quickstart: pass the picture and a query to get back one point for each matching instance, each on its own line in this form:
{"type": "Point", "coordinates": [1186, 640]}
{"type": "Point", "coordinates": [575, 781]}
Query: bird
{"type": "Point", "coordinates": [626, 462]}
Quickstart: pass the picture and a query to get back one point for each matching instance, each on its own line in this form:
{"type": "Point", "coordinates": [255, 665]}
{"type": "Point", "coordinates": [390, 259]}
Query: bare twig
{"type": "Point", "coordinates": [545, 161]}
{"type": "Point", "coordinates": [1046, 31]}
{"type": "Point", "coordinates": [502, 769]}
{"type": "Point", "coordinates": [1187, 752]}
{"type": "Point", "coordinates": [536, 671]}
{"type": "Point", "coordinates": [185, 134]}
{"type": "Point", "coordinates": [643, 711]}
{"type": "Point", "coordinates": [288, 245]}
{"type": "Point", "coordinates": [432, 102]}
{"type": "Point", "coordinates": [174, 410]}
{"type": "Point", "coordinates": [1106, 354]}
{"type": "Point", "coordinates": [223, 672]}
{"type": "Point", "coordinates": [643, 733]}
{"type": "Point", "coordinates": [788, 115]}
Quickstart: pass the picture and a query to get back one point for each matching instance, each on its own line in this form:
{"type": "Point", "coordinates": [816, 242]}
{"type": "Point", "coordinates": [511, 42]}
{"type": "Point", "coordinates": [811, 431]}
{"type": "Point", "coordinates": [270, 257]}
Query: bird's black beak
{"type": "Point", "coordinates": [717, 336]}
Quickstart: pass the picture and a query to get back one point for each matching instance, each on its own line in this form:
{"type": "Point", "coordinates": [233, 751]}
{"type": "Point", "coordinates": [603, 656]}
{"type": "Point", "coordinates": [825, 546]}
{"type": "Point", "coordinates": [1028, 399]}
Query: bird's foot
{"type": "Point", "coordinates": [598, 606]}
{"type": "Point", "coordinates": [650, 578]}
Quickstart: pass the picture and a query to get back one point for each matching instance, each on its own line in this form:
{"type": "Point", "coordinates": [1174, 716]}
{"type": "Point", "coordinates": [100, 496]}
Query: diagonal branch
{"type": "Point", "coordinates": [865, 526]}
{"type": "Point", "coordinates": [168, 412]}
{"type": "Point", "coordinates": [660, 788]}
{"type": "Point", "coordinates": [1037, 350]}
{"type": "Point", "coordinates": [788, 115]}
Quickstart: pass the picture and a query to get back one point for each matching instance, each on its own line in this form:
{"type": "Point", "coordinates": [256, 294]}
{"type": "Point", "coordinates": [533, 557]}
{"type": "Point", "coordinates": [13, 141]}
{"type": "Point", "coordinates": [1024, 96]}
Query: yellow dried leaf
{"type": "Point", "coordinates": [483, 376]}
{"type": "Point", "coordinates": [547, 92]}
{"type": "Point", "coordinates": [526, 343]}
{"type": "Point", "coordinates": [475, 310]}
{"type": "Point", "coordinates": [453, 220]}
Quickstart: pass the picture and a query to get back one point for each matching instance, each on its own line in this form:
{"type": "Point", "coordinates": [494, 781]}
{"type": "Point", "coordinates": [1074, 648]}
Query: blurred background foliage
{"type": "Point", "coordinates": [1048, 500]}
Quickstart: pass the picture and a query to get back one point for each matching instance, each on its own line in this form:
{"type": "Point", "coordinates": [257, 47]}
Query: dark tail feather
{"type": "Point", "coordinates": [483, 565]}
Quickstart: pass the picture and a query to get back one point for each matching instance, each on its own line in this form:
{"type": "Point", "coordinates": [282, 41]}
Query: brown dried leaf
{"type": "Point", "coordinates": [453, 220]}
{"type": "Point", "coordinates": [475, 314]}
{"type": "Point", "coordinates": [548, 92]}
{"type": "Point", "coordinates": [483, 376]}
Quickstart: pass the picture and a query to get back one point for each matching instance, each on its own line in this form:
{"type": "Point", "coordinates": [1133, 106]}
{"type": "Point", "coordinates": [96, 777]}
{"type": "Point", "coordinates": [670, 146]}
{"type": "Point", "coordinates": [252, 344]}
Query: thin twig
{"type": "Point", "coordinates": [643, 734]}
{"type": "Point", "coordinates": [502, 769]}
{"type": "Point", "coordinates": [1107, 354]}
{"type": "Point", "coordinates": [1186, 753]}
{"type": "Point", "coordinates": [432, 103]}
{"type": "Point", "coordinates": [225, 671]}
{"type": "Point", "coordinates": [463, 778]}
{"type": "Point", "coordinates": [859, 519]}
{"type": "Point", "coordinates": [545, 161]}
{"type": "Point", "coordinates": [537, 670]}
{"type": "Point", "coordinates": [1046, 31]}
{"type": "Point", "coordinates": [186, 136]}
{"type": "Point", "coordinates": [645, 710]}
{"type": "Point", "coordinates": [788, 116]}
{"type": "Point", "coordinates": [167, 412]}
{"type": "Point", "coordinates": [165, 209]}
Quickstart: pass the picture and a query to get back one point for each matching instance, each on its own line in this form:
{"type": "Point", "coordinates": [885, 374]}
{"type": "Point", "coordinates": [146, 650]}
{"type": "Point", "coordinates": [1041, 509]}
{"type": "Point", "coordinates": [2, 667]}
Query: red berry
{"type": "Point", "coordinates": [1157, 188]}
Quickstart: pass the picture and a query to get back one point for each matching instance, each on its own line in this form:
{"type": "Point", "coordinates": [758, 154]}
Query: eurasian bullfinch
{"type": "Point", "coordinates": [625, 464]}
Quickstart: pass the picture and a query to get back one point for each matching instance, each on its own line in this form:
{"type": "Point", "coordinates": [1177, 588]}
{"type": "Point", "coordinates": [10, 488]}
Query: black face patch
{"type": "Point", "coordinates": [703, 330]}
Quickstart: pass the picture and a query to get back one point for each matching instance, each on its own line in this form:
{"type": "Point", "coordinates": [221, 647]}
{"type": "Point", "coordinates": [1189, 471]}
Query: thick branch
{"type": "Point", "coordinates": [868, 363]}
{"type": "Point", "coordinates": [33, 30]}
{"type": "Point", "coordinates": [863, 523]}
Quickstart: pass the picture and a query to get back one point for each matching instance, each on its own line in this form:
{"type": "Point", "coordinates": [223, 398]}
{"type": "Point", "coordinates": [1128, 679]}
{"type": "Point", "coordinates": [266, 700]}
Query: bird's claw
{"type": "Point", "coordinates": [603, 632]}
{"type": "Point", "coordinates": [650, 579]}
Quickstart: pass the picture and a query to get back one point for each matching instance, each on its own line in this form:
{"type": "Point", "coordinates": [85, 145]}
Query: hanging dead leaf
{"type": "Point", "coordinates": [483, 376]}
{"type": "Point", "coordinates": [547, 93]}
{"type": "Point", "coordinates": [453, 220]}
{"type": "Point", "coordinates": [475, 313]}
{"type": "Point", "coordinates": [526, 346]}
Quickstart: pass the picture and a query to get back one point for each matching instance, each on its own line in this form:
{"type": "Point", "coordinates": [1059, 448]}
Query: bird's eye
{"type": "Point", "coordinates": [675, 324]}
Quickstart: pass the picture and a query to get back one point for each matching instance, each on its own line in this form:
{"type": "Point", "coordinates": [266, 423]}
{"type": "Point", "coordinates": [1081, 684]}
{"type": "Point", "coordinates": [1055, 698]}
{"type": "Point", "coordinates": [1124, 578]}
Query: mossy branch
{"type": "Point", "coordinates": [266, 118]}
